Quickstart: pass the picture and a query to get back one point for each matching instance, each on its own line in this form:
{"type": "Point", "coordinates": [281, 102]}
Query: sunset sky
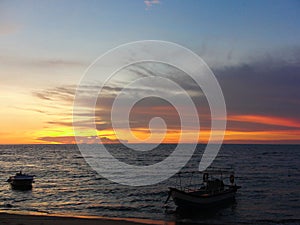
{"type": "Point", "coordinates": [252, 47]}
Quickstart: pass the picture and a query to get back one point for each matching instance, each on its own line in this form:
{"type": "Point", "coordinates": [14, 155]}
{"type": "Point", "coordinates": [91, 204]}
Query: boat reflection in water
{"type": "Point", "coordinates": [211, 194]}
{"type": "Point", "coordinates": [21, 181]}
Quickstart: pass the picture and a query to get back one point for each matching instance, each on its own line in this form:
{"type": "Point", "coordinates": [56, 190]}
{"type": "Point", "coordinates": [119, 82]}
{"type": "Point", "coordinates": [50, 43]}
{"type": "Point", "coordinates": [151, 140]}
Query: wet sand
{"type": "Point", "coordinates": [16, 219]}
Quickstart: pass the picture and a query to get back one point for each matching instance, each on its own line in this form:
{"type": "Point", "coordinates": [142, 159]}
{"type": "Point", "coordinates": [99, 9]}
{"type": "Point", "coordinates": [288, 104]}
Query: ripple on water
{"type": "Point", "coordinates": [269, 176]}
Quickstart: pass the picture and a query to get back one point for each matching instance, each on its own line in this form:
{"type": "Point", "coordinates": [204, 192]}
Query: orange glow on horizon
{"type": "Point", "coordinates": [53, 134]}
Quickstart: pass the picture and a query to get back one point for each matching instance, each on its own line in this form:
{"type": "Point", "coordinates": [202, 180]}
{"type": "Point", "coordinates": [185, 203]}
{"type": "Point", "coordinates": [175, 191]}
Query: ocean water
{"type": "Point", "coordinates": [66, 184]}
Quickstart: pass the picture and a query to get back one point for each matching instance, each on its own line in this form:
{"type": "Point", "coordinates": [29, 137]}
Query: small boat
{"type": "Point", "coordinates": [211, 193]}
{"type": "Point", "coordinates": [21, 181]}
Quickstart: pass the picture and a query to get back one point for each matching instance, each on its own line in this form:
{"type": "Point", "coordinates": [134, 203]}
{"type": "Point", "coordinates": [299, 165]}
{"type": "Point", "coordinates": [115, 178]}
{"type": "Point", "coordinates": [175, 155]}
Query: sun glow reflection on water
{"type": "Point", "coordinates": [65, 184]}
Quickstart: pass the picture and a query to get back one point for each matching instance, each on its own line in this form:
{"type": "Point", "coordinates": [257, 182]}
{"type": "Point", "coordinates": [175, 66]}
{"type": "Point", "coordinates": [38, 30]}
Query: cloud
{"type": "Point", "coordinates": [267, 87]}
{"type": "Point", "coordinates": [65, 95]}
{"type": "Point", "coordinates": [29, 109]}
{"type": "Point", "coordinates": [41, 96]}
{"type": "Point", "coordinates": [58, 94]}
{"type": "Point", "coordinates": [79, 140]}
{"type": "Point", "coordinates": [263, 136]}
{"type": "Point", "coordinates": [149, 3]}
{"type": "Point", "coordinates": [261, 95]}
{"type": "Point", "coordinates": [40, 62]}
{"type": "Point", "coordinates": [58, 62]}
{"type": "Point", "coordinates": [266, 120]}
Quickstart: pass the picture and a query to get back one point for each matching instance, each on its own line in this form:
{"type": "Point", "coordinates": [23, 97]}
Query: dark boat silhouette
{"type": "Point", "coordinates": [211, 194]}
{"type": "Point", "coordinates": [21, 181]}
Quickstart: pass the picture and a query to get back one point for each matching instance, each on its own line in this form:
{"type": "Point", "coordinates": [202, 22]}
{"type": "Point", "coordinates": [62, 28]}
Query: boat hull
{"type": "Point", "coordinates": [21, 182]}
{"type": "Point", "coordinates": [194, 200]}
{"type": "Point", "coordinates": [21, 185]}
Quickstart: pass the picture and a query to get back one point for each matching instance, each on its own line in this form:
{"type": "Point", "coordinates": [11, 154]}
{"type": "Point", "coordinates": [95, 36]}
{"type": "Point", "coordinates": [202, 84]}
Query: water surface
{"type": "Point", "coordinates": [65, 183]}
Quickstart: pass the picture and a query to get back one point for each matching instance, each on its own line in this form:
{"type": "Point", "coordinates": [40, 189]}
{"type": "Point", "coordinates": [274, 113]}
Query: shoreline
{"type": "Point", "coordinates": [18, 218]}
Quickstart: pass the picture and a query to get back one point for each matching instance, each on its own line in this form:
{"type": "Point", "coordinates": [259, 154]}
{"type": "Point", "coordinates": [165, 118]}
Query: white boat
{"type": "Point", "coordinates": [212, 193]}
{"type": "Point", "coordinates": [21, 181]}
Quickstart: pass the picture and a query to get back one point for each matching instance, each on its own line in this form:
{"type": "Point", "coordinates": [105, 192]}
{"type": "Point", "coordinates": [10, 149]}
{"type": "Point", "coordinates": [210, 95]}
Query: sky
{"type": "Point", "coordinates": [252, 47]}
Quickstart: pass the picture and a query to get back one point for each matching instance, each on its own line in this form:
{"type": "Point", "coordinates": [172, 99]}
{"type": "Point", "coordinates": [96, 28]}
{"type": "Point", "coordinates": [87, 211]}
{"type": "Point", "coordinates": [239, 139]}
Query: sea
{"type": "Point", "coordinates": [65, 184]}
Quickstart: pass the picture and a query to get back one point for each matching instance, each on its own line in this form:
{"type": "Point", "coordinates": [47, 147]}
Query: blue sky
{"type": "Point", "coordinates": [78, 28]}
{"type": "Point", "coordinates": [48, 44]}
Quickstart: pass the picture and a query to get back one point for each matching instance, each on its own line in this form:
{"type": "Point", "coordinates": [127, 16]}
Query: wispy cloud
{"type": "Point", "coordinates": [58, 94]}
{"type": "Point", "coordinates": [41, 62]}
{"type": "Point", "coordinates": [149, 3]}
{"type": "Point", "coordinates": [79, 140]}
{"type": "Point", "coordinates": [266, 120]}
{"type": "Point", "coordinates": [29, 109]}
{"type": "Point", "coordinates": [262, 97]}
{"type": "Point", "coordinates": [263, 136]}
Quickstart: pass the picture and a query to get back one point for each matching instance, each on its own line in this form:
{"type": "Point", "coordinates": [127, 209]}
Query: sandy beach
{"type": "Point", "coordinates": [17, 219]}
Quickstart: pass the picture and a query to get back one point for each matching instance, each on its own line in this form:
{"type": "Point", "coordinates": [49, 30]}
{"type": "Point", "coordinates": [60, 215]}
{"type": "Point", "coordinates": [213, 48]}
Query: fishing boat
{"type": "Point", "coordinates": [21, 181]}
{"type": "Point", "coordinates": [213, 192]}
